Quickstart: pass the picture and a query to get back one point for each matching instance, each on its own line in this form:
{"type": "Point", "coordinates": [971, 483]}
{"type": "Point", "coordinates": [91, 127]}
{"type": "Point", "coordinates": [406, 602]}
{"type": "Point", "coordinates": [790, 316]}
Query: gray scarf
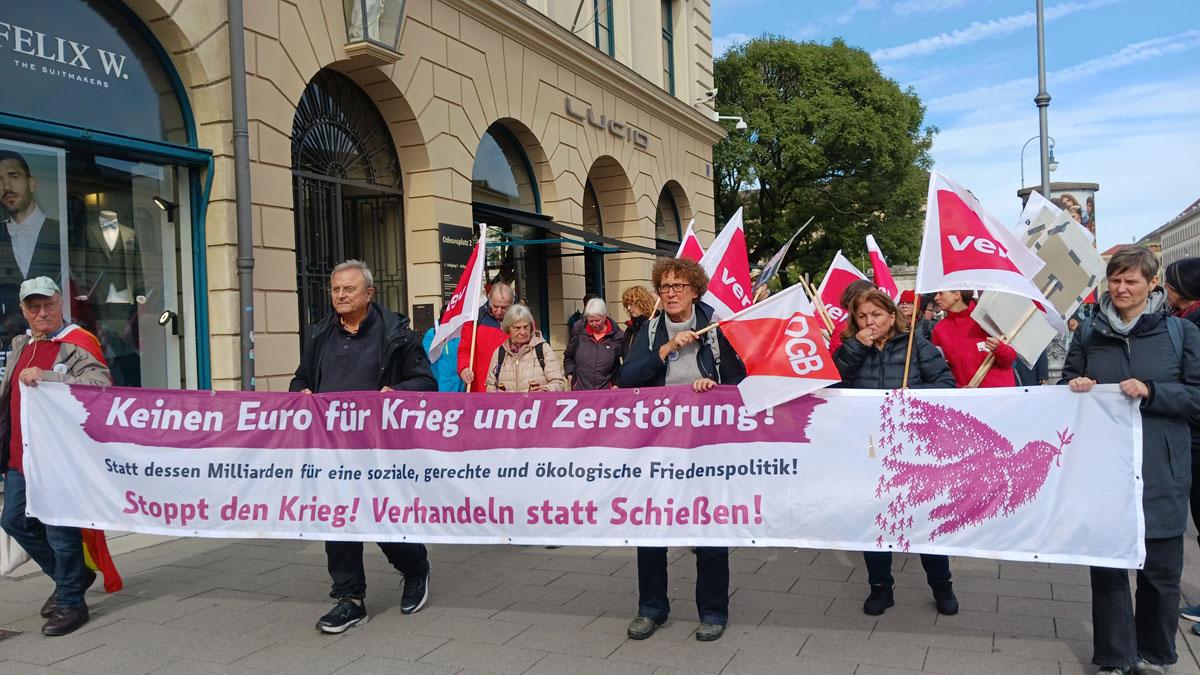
{"type": "Point", "coordinates": [1154, 304]}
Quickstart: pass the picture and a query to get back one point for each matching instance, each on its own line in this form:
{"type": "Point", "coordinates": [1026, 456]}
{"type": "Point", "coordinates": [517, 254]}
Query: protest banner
{"type": "Point", "coordinates": [938, 471]}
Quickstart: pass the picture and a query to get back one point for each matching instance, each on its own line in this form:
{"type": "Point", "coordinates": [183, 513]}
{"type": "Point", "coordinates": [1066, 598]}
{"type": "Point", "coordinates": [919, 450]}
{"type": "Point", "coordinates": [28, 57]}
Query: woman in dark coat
{"type": "Point", "coordinates": [1131, 341]}
{"type": "Point", "coordinates": [639, 304]}
{"type": "Point", "coordinates": [594, 353]}
{"type": "Point", "coordinates": [872, 355]}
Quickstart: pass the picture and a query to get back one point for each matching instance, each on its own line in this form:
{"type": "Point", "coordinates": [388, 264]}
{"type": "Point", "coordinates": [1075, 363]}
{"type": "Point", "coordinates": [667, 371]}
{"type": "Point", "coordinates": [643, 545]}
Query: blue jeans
{"type": "Point", "coordinates": [57, 550]}
{"type": "Point", "coordinates": [712, 584]}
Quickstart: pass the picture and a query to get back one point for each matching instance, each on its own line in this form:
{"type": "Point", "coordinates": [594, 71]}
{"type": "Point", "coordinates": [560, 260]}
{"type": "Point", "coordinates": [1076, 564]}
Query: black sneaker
{"type": "Point", "coordinates": [416, 592]}
{"type": "Point", "coordinates": [879, 600]}
{"type": "Point", "coordinates": [345, 614]}
{"type": "Point", "coordinates": [943, 596]}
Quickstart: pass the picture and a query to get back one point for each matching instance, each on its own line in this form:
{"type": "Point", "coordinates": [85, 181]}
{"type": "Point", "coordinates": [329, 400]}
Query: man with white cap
{"type": "Point", "coordinates": [51, 351]}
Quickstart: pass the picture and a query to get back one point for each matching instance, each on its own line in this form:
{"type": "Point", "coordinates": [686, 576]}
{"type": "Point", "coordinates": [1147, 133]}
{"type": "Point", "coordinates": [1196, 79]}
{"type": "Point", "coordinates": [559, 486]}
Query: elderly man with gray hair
{"type": "Point", "coordinates": [363, 346]}
{"type": "Point", "coordinates": [593, 355]}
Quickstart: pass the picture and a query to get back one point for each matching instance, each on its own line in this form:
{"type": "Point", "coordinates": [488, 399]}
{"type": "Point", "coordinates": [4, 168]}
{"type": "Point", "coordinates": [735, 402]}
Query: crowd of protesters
{"type": "Point", "coordinates": [1143, 335]}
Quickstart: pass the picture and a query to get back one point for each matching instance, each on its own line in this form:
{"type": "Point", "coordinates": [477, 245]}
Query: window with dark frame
{"type": "Point", "coordinates": [603, 22]}
{"type": "Point", "coordinates": [668, 47]}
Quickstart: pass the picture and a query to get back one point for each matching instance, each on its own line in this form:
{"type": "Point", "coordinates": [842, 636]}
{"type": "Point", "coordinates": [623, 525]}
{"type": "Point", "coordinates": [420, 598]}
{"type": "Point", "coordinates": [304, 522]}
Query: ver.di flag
{"type": "Point", "coordinates": [779, 340]}
{"type": "Point", "coordinates": [964, 246]}
{"type": "Point", "coordinates": [690, 247]}
{"type": "Point", "coordinates": [883, 275]}
{"type": "Point", "coordinates": [841, 274]}
{"type": "Point", "coordinates": [468, 295]}
{"type": "Point", "coordinates": [728, 269]}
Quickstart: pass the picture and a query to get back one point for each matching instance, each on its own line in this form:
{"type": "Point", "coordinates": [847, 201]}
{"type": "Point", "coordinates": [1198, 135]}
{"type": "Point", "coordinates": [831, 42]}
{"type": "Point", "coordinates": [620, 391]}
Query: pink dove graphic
{"type": "Point", "coordinates": [968, 472]}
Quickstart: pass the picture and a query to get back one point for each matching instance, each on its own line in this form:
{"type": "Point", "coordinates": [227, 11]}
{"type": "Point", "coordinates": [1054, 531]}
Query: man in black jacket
{"type": "Point", "coordinates": [364, 347]}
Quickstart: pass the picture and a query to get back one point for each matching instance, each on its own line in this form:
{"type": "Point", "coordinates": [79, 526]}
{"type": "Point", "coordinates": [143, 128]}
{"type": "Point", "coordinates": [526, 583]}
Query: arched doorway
{"type": "Point", "coordinates": [593, 259]}
{"type": "Point", "coordinates": [672, 209]}
{"type": "Point", "coordinates": [504, 194]}
{"type": "Point", "coordinates": [348, 194]}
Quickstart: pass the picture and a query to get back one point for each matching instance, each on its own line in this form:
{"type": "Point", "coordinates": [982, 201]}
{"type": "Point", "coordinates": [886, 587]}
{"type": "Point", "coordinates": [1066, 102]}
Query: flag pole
{"type": "Point", "coordinates": [820, 305]}
{"type": "Point", "coordinates": [912, 331]}
{"type": "Point", "coordinates": [991, 357]}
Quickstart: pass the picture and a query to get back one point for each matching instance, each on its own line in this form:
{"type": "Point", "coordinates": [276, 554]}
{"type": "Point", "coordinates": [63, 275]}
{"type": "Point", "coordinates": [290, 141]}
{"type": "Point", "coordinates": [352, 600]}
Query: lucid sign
{"type": "Point", "coordinates": [622, 130]}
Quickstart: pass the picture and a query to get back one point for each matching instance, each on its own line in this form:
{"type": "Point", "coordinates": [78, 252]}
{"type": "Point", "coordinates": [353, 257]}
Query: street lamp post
{"type": "Point", "coordinates": [1053, 164]}
{"type": "Point", "coordinates": [1043, 101]}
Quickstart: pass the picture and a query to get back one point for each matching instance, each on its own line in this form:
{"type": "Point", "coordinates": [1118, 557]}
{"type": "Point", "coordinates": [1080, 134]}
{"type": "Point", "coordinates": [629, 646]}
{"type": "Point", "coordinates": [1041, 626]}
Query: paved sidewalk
{"type": "Point", "coordinates": [212, 606]}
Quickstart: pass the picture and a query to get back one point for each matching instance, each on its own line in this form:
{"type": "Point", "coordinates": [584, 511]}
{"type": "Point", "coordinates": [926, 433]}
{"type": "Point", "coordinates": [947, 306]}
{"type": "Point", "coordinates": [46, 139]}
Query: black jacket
{"type": "Point", "coordinates": [1148, 355]}
{"type": "Point", "coordinates": [864, 367]}
{"type": "Point", "coordinates": [591, 364]}
{"type": "Point", "coordinates": [632, 327]}
{"type": "Point", "coordinates": [403, 364]}
{"type": "Point", "coordinates": [643, 367]}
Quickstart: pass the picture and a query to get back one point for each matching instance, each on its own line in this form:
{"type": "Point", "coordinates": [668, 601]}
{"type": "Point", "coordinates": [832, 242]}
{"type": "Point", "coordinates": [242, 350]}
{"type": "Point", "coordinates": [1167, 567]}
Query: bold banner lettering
{"type": "Point", "coordinates": [969, 473]}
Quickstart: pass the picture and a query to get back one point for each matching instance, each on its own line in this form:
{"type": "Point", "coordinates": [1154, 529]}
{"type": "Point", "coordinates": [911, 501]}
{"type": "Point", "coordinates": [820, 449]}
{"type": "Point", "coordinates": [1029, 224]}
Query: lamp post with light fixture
{"type": "Point", "coordinates": [1051, 164]}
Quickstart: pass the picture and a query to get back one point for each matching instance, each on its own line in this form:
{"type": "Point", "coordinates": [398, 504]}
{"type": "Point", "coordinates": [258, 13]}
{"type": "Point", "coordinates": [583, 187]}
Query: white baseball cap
{"type": "Point", "coordinates": [38, 286]}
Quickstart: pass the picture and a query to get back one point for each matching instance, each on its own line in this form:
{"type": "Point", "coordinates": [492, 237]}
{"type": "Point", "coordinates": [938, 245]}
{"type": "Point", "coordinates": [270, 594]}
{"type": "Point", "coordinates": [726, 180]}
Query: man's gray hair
{"type": "Point", "coordinates": [516, 314]}
{"type": "Point", "coordinates": [355, 265]}
{"type": "Point", "coordinates": [503, 289]}
{"type": "Point", "coordinates": [595, 307]}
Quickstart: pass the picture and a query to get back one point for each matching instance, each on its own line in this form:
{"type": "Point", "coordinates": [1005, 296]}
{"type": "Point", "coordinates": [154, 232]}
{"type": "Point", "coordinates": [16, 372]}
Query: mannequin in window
{"type": "Point", "coordinates": [29, 241]}
{"type": "Point", "coordinates": [106, 268]}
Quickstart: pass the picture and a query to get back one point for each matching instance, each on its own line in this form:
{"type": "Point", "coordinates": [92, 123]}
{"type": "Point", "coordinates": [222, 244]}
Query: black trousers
{"type": "Point", "coordinates": [345, 562]}
{"type": "Point", "coordinates": [1124, 631]}
{"type": "Point", "coordinates": [879, 568]}
{"type": "Point", "coordinates": [712, 584]}
{"type": "Point", "coordinates": [1195, 498]}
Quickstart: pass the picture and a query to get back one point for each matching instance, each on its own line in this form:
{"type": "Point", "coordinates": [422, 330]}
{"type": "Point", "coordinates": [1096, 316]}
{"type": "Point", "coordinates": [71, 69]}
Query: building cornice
{"type": "Point", "coordinates": [540, 33]}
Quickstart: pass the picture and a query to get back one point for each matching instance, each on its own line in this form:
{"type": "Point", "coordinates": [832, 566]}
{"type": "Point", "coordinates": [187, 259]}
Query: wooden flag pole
{"type": "Point", "coordinates": [820, 305]}
{"type": "Point", "coordinates": [1012, 334]}
{"type": "Point", "coordinates": [474, 332]}
{"type": "Point", "coordinates": [912, 331]}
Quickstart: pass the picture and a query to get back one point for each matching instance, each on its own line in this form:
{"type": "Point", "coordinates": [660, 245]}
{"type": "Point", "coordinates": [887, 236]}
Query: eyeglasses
{"type": "Point", "coordinates": [674, 288]}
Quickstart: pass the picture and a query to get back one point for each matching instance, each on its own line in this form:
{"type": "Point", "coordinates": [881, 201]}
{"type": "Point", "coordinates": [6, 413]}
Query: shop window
{"type": "Point", "coordinates": [667, 230]}
{"type": "Point", "coordinates": [593, 260]}
{"type": "Point", "coordinates": [104, 229]}
{"type": "Point", "coordinates": [501, 175]}
{"type": "Point", "coordinates": [668, 47]}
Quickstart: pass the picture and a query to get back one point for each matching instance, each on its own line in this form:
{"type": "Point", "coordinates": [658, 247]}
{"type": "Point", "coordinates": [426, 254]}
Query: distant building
{"type": "Point", "coordinates": [1179, 237]}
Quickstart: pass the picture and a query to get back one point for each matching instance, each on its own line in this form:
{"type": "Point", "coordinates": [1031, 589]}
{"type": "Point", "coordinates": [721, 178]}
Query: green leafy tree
{"type": "Point", "coordinates": [829, 137]}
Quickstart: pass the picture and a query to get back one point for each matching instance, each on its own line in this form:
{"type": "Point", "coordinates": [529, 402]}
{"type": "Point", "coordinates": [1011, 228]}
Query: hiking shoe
{"type": "Point", "coordinates": [416, 592]}
{"type": "Point", "coordinates": [943, 596]}
{"type": "Point", "coordinates": [707, 632]}
{"type": "Point", "coordinates": [1146, 668]}
{"type": "Point", "coordinates": [345, 614]}
{"type": "Point", "coordinates": [1191, 612]}
{"type": "Point", "coordinates": [65, 620]}
{"type": "Point", "coordinates": [879, 600]}
{"type": "Point", "coordinates": [643, 627]}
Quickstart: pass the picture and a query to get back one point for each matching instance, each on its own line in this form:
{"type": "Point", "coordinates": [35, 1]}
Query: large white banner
{"type": "Point", "coordinates": [1020, 474]}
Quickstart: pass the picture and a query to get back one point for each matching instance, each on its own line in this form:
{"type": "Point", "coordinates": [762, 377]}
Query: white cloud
{"type": "Point", "coordinates": [829, 22]}
{"type": "Point", "coordinates": [982, 30]}
{"type": "Point", "coordinates": [722, 43]}
{"type": "Point", "coordinates": [1137, 52]}
{"type": "Point", "coordinates": [927, 6]}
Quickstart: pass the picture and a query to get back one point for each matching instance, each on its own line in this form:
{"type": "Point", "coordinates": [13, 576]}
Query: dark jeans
{"type": "Point", "coordinates": [345, 561]}
{"type": "Point", "coordinates": [712, 584]}
{"type": "Point", "coordinates": [57, 550]}
{"type": "Point", "coordinates": [1123, 634]}
{"type": "Point", "coordinates": [879, 568]}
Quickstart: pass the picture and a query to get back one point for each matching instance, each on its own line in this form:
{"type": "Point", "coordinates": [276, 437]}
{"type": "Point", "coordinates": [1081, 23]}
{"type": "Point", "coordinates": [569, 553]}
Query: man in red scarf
{"type": "Point", "coordinates": [51, 351]}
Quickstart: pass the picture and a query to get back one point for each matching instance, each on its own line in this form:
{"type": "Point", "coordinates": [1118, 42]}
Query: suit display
{"type": "Point", "coordinates": [46, 261]}
{"type": "Point", "coordinates": [107, 283]}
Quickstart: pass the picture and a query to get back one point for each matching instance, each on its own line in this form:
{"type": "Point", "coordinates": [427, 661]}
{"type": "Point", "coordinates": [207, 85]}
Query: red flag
{"type": "Point", "coordinates": [690, 247]}
{"type": "Point", "coordinates": [779, 339]}
{"type": "Point", "coordinates": [966, 247]}
{"type": "Point", "coordinates": [841, 274]}
{"type": "Point", "coordinates": [728, 269]}
{"type": "Point", "coordinates": [883, 275]}
{"type": "Point", "coordinates": [462, 307]}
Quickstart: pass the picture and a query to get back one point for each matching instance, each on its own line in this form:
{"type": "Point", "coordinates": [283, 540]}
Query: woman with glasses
{"type": "Point", "coordinates": [668, 351]}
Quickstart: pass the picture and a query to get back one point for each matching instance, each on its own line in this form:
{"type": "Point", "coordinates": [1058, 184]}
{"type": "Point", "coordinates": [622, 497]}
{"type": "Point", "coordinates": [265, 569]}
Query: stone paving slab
{"type": "Point", "coordinates": [199, 606]}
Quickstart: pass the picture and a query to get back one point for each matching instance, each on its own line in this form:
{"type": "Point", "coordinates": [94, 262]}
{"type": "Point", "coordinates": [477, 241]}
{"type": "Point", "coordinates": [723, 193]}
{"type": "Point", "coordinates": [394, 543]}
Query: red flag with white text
{"type": "Point", "coordinates": [965, 247]}
{"type": "Point", "coordinates": [841, 274]}
{"type": "Point", "coordinates": [728, 267]}
{"type": "Point", "coordinates": [468, 295]}
{"type": "Point", "coordinates": [690, 247]}
{"type": "Point", "coordinates": [779, 340]}
{"type": "Point", "coordinates": [883, 275]}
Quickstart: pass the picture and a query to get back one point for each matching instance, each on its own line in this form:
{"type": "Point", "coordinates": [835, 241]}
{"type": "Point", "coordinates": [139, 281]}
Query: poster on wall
{"type": "Point", "coordinates": [1079, 201]}
{"type": "Point", "coordinates": [33, 233]}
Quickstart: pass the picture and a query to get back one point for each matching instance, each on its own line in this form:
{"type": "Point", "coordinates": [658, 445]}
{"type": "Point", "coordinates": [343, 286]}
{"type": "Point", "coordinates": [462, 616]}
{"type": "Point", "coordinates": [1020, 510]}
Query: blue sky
{"type": "Point", "coordinates": [1124, 77]}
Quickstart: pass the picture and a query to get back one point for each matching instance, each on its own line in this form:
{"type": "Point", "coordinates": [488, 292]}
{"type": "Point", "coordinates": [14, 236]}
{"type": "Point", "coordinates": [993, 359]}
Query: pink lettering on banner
{"type": "Point", "coordinates": [672, 417]}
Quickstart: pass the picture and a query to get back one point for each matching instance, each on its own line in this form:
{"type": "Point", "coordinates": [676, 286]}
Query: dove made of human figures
{"type": "Point", "coordinates": [931, 451]}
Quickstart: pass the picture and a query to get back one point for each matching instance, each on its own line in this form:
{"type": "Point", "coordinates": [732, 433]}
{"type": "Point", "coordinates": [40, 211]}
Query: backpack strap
{"type": "Point", "coordinates": [541, 355]}
{"type": "Point", "coordinates": [501, 353]}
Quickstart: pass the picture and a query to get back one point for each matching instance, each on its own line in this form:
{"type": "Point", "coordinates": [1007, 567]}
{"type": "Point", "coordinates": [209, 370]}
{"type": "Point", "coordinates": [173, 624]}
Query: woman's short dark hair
{"type": "Point", "coordinates": [682, 268]}
{"type": "Point", "coordinates": [880, 299]}
{"type": "Point", "coordinates": [851, 291]}
{"type": "Point", "coordinates": [1133, 257]}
